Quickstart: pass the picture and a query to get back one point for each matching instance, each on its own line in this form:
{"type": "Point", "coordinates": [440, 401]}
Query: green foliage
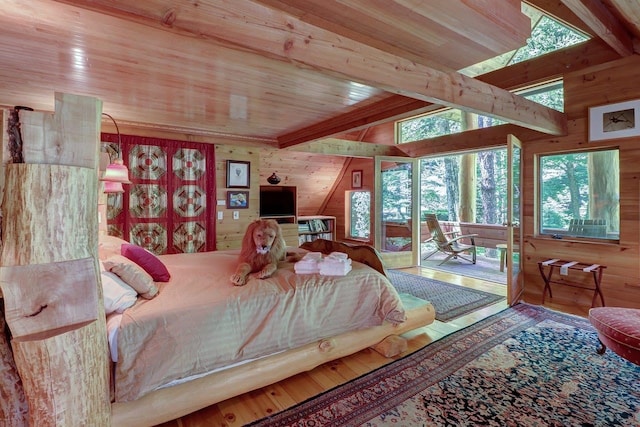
{"type": "Point", "coordinates": [566, 190]}
{"type": "Point", "coordinates": [435, 198]}
{"type": "Point", "coordinates": [360, 214]}
{"type": "Point", "coordinates": [396, 193]}
{"type": "Point", "coordinates": [547, 36]}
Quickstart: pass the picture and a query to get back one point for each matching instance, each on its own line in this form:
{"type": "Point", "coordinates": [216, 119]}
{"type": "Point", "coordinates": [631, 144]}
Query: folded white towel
{"type": "Point", "coordinates": [336, 261]}
{"type": "Point", "coordinates": [338, 255]}
{"type": "Point", "coordinates": [305, 270]}
{"type": "Point", "coordinates": [316, 256]}
{"type": "Point", "coordinates": [308, 264]}
{"type": "Point", "coordinates": [334, 267]}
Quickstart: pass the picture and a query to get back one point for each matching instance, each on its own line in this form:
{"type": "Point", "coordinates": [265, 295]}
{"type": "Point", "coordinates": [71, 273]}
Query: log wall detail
{"type": "Point", "coordinates": [49, 271]}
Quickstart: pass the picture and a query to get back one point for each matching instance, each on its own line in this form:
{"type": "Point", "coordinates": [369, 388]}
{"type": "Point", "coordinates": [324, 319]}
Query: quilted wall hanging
{"type": "Point", "coordinates": [169, 207]}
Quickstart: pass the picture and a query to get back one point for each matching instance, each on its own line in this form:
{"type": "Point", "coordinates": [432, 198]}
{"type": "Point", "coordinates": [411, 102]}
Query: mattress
{"type": "Point", "coordinates": [200, 322]}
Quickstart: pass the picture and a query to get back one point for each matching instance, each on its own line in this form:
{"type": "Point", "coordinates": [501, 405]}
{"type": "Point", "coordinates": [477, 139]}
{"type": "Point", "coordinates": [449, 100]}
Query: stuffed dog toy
{"type": "Point", "coordinates": [262, 248]}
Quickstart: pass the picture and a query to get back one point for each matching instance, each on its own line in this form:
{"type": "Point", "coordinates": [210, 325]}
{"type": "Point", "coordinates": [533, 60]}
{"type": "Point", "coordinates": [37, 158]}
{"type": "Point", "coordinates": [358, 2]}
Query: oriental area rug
{"type": "Point", "coordinates": [450, 301]}
{"type": "Point", "coordinates": [525, 366]}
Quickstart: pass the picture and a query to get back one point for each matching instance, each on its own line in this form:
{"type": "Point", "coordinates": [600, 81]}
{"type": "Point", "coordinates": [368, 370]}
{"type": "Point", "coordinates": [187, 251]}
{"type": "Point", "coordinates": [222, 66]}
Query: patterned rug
{"type": "Point", "coordinates": [450, 301]}
{"type": "Point", "coordinates": [525, 366]}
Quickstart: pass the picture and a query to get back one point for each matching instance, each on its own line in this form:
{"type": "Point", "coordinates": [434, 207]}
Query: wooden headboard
{"type": "Point", "coordinates": [362, 253]}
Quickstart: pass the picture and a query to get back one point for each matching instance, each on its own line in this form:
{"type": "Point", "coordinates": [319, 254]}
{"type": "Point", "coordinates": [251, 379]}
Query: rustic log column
{"type": "Point", "coordinates": [49, 272]}
{"type": "Point", "coordinates": [13, 405]}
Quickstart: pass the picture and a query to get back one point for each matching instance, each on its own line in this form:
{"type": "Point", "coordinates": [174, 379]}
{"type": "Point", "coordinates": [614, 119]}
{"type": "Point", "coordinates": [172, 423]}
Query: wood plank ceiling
{"type": "Point", "coordinates": [282, 72]}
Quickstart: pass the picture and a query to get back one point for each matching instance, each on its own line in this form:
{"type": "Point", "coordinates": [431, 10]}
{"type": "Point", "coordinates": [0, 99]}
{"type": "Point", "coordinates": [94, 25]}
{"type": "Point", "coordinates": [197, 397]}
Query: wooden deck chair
{"type": "Point", "coordinates": [450, 243]}
{"type": "Point", "coordinates": [588, 227]}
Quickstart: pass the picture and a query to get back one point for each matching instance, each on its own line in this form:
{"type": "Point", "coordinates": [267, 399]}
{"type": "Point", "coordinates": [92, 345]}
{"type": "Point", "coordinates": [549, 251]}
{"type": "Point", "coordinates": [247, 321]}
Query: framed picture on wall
{"type": "Point", "coordinates": [237, 199]}
{"type": "Point", "coordinates": [238, 174]}
{"type": "Point", "coordinates": [612, 121]}
{"type": "Point", "coordinates": [356, 179]}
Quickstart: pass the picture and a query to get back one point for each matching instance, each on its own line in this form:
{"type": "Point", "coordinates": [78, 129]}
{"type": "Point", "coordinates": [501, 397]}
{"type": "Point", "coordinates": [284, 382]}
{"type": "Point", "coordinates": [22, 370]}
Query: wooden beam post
{"type": "Point", "coordinates": [48, 266]}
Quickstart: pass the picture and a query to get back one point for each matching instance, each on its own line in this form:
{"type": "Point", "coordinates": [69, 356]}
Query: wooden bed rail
{"type": "Point", "coordinates": [173, 402]}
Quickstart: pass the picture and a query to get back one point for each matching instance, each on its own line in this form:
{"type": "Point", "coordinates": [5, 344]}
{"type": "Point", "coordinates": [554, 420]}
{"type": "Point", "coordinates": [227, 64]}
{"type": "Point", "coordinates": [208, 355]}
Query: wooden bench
{"type": "Point", "coordinates": [488, 235]}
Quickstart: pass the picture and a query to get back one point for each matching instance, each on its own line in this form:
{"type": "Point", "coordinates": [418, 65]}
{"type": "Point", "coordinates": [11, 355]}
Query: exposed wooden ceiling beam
{"type": "Point", "coordinates": [393, 107]}
{"type": "Point", "coordinates": [561, 13]}
{"type": "Point", "coordinates": [630, 13]}
{"type": "Point", "coordinates": [252, 26]}
{"type": "Point", "coordinates": [396, 107]}
{"type": "Point", "coordinates": [424, 34]}
{"type": "Point", "coordinates": [276, 34]}
{"type": "Point", "coordinates": [344, 147]}
{"type": "Point", "coordinates": [319, 18]}
{"type": "Point", "coordinates": [476, 139]}
{"type": "Point", "coordinates": [596, 15]}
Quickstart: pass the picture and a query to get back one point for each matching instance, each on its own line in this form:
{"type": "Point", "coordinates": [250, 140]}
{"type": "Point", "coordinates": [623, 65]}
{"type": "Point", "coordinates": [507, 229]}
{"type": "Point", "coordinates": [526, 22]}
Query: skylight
{"type": "Point", "coordinates": [547, 35]}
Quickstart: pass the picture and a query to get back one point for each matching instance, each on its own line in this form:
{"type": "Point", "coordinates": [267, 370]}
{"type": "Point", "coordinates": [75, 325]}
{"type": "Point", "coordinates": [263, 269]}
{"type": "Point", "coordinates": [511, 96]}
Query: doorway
{"type": "Point", "coordinates": [468, 194]}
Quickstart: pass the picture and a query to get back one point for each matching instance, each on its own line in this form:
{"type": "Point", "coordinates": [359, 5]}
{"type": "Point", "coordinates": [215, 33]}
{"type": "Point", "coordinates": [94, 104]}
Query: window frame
{"type": "Point", "coordinates": [563, 234]}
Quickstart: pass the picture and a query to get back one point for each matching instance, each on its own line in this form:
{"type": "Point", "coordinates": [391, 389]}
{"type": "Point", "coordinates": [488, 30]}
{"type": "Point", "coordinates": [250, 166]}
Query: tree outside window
{"type": "Point", "coordinates": [579, 194]}
{"type": "Point", "coordinates": [359, 214]}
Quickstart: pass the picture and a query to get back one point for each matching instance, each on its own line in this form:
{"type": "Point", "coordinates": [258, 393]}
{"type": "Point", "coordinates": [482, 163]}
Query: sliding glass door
{"type": "Point", "coordinates": [397, 210]}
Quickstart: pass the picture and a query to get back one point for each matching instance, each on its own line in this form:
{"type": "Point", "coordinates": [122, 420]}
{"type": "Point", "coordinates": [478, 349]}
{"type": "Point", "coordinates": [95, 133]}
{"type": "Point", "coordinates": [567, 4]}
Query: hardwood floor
{"type": "Point", "coordinates": [277, 397]}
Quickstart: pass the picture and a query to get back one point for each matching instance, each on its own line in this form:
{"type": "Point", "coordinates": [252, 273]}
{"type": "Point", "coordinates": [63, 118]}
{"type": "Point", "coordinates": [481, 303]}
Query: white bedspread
{"type": "Point", "coordinates": [200, 321]}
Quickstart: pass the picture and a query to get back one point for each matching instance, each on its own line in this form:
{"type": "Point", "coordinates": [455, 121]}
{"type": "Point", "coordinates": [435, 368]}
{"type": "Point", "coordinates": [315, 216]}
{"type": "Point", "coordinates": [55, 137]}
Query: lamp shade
{"type": "Point", "coordinates": [116, 172]}
{"type": "Point", "coordinates": [113, 187]}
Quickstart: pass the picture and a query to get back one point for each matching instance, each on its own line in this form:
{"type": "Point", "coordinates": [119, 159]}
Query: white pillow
{"type": "Point", "coordinates": [118, 296]}
{"type": "Point", "coordinates": [108, 246]}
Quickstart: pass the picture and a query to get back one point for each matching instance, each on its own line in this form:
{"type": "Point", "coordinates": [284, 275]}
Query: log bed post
{"type": "Point", "coordinates": [49, 275]}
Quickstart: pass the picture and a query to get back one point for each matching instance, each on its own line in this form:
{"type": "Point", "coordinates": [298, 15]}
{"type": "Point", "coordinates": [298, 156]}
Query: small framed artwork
{"type": "Point", "coordinates": [612, 121]}
{"type": "Point", "coordinates": [237, 199]}
{"type": "Point", "coordinates": [356, 179]}
{"type": "Point", "coordinates": [238, 174]}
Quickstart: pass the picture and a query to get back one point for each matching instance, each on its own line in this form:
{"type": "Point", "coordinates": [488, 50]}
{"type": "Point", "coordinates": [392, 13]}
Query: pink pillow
{"type": "Point", "coordinates": [148, 261]}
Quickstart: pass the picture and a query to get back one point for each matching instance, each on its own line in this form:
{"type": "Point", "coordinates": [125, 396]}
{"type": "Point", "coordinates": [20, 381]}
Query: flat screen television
{"type": "Point", "coordinates": [277, 203]}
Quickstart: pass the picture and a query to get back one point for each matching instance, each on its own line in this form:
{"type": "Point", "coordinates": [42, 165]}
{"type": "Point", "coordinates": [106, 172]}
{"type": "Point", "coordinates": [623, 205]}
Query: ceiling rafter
{"type": "Point", "coordinates": [595, 14]}
{"type": "Point", "coordinates": [628, 11]}
{"type": "Point", "coordinates": [264, 30]}
{"type": "Point", "coordinates": [280, 34]}
{"type": "Point", "coordinates": [397, 107]}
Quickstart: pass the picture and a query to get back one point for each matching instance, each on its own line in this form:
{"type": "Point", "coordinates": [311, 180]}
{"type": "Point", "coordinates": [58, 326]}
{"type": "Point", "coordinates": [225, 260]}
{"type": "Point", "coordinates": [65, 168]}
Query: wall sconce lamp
{"type": "Point", "coordinates": [116, 173]}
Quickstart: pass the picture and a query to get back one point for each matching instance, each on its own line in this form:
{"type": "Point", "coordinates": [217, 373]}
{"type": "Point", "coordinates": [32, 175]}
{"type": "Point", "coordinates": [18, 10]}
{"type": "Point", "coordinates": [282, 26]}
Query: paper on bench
{"type": "Point", "coordinates": [550, 261]}
{"type": "Point", "coordinates": [591, 267]}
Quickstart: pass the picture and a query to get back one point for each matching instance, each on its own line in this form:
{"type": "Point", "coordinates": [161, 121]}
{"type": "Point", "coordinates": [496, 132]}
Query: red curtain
{"type": "Point", "coordinates": [170, 205]}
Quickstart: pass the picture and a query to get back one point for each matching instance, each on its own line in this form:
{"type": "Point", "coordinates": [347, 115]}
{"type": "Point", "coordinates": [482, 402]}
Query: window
{"type": "Point", "coordinates": [547, 35]}
{"type": "Point", "coordinates": [449, 120]}
{"type": "Point", "coordinates": [358, 205]}
{"type": "Point", "coordinates": [579, 194]}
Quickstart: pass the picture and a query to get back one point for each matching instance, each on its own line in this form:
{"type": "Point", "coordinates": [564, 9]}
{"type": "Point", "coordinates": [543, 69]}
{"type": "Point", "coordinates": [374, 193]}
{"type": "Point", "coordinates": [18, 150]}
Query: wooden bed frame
{"type": "Point", "coordinates": [173, 402]}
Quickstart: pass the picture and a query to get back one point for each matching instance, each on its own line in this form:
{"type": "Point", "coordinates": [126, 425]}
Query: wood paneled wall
{"type": "Point", "coordinates": [621, 281]}
{"type": "Point", "coordinates": [313, 175]}
{"type": "Point", "coordinates": [229, 232]}
{"type": "Point", "coordinates": [336, 205]}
